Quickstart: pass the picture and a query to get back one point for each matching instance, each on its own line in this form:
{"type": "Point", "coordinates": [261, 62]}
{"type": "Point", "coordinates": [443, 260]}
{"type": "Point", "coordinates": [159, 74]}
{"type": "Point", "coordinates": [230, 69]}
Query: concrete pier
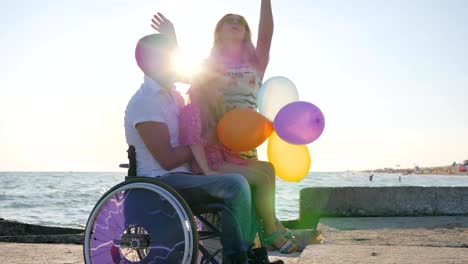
{"type": "Point", "coordinates": [427, 239]}
{"type": "Point", "coordinates": [315, 203]}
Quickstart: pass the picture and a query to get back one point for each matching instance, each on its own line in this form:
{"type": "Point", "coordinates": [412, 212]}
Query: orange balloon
{"type": "Point", "coordinates": [243, 129]}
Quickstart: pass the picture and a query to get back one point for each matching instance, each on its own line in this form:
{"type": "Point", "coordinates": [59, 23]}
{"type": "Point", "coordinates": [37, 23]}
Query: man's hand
{"type": "Point", "coordinates": [162, 25]}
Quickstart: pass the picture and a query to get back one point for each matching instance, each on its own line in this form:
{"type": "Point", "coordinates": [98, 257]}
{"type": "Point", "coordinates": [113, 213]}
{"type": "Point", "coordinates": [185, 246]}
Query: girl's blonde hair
{"type": "Point", "coordinates": [211, 110]}
{"type": "Point", "coordinates": [249, 49]}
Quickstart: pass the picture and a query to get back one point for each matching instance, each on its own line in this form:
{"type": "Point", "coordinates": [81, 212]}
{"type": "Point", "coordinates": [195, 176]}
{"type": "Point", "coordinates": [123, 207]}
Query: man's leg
{"type": "Point", "coordinates": [230, 189]}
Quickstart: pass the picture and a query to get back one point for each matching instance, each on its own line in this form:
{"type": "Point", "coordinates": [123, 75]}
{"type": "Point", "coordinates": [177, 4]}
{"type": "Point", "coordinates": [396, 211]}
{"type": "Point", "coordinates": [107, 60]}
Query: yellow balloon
{"type": "Point", "coordinates": [291, 162]}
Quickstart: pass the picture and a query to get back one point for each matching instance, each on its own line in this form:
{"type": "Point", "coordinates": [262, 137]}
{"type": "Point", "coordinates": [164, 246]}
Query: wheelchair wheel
{"type": "Point", "coordinates": [141, 220]}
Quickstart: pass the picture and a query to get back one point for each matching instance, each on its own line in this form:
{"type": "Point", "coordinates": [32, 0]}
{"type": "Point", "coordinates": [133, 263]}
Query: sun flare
{"type": "Point", "coordinates": [186, 64]}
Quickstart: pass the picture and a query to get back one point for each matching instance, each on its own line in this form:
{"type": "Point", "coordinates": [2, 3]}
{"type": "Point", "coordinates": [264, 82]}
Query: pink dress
{"type": "Point", "coordinates": [190, 133]}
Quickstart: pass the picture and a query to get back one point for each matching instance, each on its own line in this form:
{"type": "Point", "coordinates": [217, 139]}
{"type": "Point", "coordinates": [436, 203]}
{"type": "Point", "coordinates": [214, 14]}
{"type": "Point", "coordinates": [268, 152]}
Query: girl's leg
{"type": "Point", "coordinates": [267, 169]}
{"type": "Point", "coordinates": [263, 199]}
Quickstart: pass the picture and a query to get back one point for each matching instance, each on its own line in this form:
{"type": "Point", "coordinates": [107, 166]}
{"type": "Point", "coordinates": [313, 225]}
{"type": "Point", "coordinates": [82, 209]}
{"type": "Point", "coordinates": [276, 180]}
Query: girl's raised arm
{"type": "Point", "coordinates": [265, 35]}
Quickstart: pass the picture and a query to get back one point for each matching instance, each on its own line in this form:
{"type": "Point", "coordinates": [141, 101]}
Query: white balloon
{"type": "Point", "coordinates": [275, 93]}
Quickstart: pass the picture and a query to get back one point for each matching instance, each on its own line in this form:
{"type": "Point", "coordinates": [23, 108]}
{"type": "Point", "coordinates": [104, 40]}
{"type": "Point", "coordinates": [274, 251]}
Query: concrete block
{"type": "Point", "coordinates": [380, 201]}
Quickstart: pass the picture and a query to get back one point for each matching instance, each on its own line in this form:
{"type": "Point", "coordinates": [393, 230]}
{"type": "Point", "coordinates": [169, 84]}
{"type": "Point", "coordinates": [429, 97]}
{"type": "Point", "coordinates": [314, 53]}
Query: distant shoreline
{"type": "Point", "coordinates": [419, 173]}
{"type": "Point", "coordinates": [443, 171]}
{"type": "Point", "coordinates": [454, 169]}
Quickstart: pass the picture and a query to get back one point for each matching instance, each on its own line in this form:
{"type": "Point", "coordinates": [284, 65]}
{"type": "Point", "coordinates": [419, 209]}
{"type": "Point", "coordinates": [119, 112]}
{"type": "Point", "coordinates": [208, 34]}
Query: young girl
{"type": "Point", "coordinates": [238, 67]}
{"type": "Point", "coordinates": [197, 128]}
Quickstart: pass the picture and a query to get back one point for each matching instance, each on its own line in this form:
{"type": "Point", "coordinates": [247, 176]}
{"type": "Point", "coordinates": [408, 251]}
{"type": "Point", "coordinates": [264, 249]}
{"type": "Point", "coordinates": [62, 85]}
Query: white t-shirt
{"type": "Point", "coordinates": [152, 103]}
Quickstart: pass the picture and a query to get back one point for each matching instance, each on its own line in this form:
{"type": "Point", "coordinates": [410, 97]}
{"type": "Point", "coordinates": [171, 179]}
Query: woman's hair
{"type": "Point", "coordinates": [249, 48]}
{"type": "Point", "coordinates": [204, 94]}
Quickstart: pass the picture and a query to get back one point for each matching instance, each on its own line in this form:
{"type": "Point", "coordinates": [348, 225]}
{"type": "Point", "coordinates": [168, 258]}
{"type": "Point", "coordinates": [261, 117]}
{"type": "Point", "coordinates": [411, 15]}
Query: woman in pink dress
{"type": "Point", "coordinates": [197, 128]}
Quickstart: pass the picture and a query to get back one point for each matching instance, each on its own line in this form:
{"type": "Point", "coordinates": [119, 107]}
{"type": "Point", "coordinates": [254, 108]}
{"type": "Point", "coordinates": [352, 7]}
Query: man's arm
{"type": "Point", "coordinates": [155, 135]}
{"type": "Point", "coordinates": [164, 26]}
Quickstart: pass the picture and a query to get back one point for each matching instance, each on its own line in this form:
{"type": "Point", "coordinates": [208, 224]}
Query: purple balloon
{"type": "Point", "coordinates": [299, 123]}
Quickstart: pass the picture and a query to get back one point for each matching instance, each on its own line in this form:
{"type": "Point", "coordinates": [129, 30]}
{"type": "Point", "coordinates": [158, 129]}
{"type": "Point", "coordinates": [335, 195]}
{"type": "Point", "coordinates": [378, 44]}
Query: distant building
{"type": "Point", "coordinates": [462, 168]}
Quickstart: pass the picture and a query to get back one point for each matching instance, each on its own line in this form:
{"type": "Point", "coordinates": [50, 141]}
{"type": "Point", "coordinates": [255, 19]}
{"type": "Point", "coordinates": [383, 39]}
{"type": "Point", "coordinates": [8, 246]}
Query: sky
{"type": "Point", "coordinates": [391, 77]}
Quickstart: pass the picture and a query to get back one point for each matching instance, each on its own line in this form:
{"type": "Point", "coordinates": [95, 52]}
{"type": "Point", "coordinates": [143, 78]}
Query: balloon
{"type": "Point", "coordinates": [291, 162]}
{"type": "Point", "coordinates": [275, 93]}
{"type": "Point", "coordinates": [243, 129]}
{"type": "Point", "coordinates": [299, 123]}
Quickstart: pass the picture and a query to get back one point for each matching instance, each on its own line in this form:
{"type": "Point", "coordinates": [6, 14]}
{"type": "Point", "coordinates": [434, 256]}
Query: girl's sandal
{"type": "Point", "coordinates": [287, 248]}
{"type": "Point", "coordinates": [286, 232]}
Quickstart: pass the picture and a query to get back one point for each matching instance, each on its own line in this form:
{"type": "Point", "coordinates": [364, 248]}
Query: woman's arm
{"type": "Point", "coordinates": [265, 35]}
{"type": "Point", "coordinates": [200, 156]}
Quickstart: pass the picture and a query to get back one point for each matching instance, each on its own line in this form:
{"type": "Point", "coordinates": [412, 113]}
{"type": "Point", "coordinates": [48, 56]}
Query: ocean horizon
{"type": "Point", "coordinates": [65, 199]}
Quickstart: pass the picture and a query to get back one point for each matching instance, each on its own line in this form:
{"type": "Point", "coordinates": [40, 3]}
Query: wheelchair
{"type": "Point", "coordinates": [143, 220]}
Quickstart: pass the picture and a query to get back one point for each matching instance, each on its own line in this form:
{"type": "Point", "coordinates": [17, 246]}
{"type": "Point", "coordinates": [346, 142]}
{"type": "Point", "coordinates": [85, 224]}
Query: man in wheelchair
{"type": "Point", "coordinates": [151, 126]}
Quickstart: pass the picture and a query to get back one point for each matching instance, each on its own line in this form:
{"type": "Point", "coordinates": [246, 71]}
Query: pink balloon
{"type": "Point", "coordinates": [299, 123]}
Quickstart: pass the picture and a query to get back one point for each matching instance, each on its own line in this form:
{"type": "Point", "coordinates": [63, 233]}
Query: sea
{"type": "Point", "coordinates": [65, 199]}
